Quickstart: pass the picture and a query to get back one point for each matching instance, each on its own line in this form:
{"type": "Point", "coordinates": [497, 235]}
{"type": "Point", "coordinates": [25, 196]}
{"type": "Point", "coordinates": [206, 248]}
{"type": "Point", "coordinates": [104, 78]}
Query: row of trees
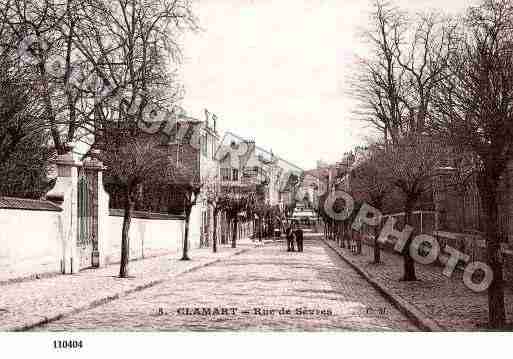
{"type": "Point", "coordinates": [438, 89]}
{"type": "Point", "coordinates": [240, 202]}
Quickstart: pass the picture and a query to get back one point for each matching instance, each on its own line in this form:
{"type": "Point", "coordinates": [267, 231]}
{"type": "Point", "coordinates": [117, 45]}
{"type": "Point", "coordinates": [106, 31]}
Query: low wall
{"type": "Point", "coordinates": [150, 235]}
{"type": "Point", "coordinates": [35, 241]}
{"type": "Point", "coordinates": [475, 247]}
{"type": "Point", "coordinates": [195, 227]}
{"type": "Point", "coordinates": [31, 238]}
{"type": "Point", "coordinates": [472, 245]}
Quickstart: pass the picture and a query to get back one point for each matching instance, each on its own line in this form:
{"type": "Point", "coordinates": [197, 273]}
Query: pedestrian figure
{"type": "Point", "coordinates": [287, 235]}
{"type": "Point", "coordinates": [290, 240]}
{"type": "Point", "coordinates": [299, 239]}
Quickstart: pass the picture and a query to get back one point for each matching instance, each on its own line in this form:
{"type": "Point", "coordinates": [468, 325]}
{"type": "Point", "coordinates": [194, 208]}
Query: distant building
{"type": "Point", "coordinates": [197, 163]}
{"type": "Point", "coordinates": [259, 167]}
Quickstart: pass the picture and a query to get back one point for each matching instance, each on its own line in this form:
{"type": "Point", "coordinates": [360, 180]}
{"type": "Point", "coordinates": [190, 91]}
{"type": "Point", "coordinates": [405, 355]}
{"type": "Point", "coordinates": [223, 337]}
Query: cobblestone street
{"type": "Point", "coordinates": [319, 290]}
{"type": "Point", "coordinates": [26, 304]}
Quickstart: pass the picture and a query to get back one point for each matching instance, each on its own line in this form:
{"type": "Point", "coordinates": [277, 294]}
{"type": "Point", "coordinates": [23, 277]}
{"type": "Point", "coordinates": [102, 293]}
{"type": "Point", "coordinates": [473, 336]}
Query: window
{"type": "Point", "coordinates": [235, 174]}
{"type": "Point", "coordinates": [225, 174]}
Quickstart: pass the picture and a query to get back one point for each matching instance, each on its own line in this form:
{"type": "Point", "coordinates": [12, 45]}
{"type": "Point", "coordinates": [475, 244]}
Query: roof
{"type": "Point", "coordinates": [28, 204]}
{"type": "Point", "coordinates": [146, 215]}
{"type": "Point", "coordinates": [260, 149]}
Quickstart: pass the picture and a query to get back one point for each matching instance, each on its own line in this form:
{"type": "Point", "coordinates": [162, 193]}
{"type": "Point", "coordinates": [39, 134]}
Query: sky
{"type": "Point", "coordinates": [277, 71]}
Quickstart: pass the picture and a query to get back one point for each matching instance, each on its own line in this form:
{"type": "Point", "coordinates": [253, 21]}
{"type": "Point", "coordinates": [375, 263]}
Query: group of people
{"type": "Point", "coordinates": [294, 234]}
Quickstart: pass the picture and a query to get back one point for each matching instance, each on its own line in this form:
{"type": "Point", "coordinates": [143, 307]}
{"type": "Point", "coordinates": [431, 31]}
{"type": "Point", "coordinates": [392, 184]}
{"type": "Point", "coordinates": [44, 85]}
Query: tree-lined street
{"type": "Point", "coordinates": [261, 279]}
{"type": "Point", "coordinates": [123, 209]}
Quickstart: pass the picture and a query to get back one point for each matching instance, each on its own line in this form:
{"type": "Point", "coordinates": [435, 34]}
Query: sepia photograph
{"type": "Point", "coordinates": [295, 167]}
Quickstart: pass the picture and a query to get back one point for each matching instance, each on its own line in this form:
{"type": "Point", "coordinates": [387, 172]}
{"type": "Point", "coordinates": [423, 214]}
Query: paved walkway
{"type": "Point", "coordinates": [447, 301]}
{"type": "Point", "coordinates": [320, 290]}
{"type": "Point", "coordinates": [30, 303]}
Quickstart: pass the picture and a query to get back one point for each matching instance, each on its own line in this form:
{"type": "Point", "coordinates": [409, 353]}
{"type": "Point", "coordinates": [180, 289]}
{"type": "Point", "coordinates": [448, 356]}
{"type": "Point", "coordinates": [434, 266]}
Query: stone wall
{"type": "Point", "coordinates": [195, 227]}
{"type": "Point", "coordinates": [150, 235]}
{"type": "Point", "coordinates": [31, 239]}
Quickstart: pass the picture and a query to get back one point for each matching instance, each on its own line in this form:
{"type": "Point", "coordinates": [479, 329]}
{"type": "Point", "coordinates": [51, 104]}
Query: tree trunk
{"type": "Point", "coordinates": [234, 232]}
{"type": "Point", "coordinates": [409, 263]}
{"type": "Point", "coordinates": [260, 229]}
{"type": "Point", "coordinates": [214, 232]}
{"type": "Point", "coordinates": [377, 249]}
{"type": "Point", "coordinates": [223, 229]}
{"type": "Point", "coordinates": [185, 255]}
{"type": "Point", "coordinates": [359, 240]}
{"type": "Point", "coordinates": [351, 238]}
{"type": "Point", "coordinates": [343, 235]}
{"type": "Point", "coordinates": [125, 240]}
{"type": "Point", "coordinates": [496, 310]}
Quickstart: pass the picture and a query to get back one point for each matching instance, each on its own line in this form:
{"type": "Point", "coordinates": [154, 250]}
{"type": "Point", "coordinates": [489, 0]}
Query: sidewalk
{"type": "Point", "coordinates": [28, 304]}
{"type": "Point", "coordinates": [438, 302]}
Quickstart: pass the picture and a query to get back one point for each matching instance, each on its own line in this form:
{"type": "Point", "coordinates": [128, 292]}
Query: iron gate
{"type": "Point", "coordinates": [87, 243]}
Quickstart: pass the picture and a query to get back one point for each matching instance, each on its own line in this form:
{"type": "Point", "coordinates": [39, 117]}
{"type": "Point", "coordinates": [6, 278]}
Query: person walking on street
{"type": "Point", "coordinates": [290, 240]}
{"type": "Point", "coordinates": [287, 238]}
{"type": "Point", "coordinates": [299, 239]}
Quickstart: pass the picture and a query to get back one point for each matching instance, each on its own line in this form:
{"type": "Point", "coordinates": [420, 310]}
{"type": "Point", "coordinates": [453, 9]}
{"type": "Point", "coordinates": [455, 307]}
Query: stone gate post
{"type": "Point", "coordinates": [65, 191]}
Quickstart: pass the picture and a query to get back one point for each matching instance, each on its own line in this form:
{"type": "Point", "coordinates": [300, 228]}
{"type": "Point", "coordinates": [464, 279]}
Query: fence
{"type": "Point", "coordinates": [421, 221]}
{"type": "Point", "coordinates": [471, 244]}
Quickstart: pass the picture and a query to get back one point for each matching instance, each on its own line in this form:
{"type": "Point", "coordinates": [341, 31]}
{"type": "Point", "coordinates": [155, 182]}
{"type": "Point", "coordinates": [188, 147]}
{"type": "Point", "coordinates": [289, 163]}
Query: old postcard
{"type": "Point", "coordinates": [255, 166]}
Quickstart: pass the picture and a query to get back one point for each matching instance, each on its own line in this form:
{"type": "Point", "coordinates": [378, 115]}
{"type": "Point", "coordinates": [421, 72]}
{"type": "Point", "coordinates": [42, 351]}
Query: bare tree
{"type": "Point", "coordinates": [379, 82]}
{"type": "Point", "coordinates": [474, 111]}
{"type": "Point", "coordinates": [394, 86]}
{"type": "Point", "coordinates": [425, 57]}
{"type": "Point", "coordinates": [131, 163]}
{"type": "Point", "coordinates": [132, 45]}
{"type": "Point", "coordinates": [218, 200]}
{"type": "Point", "coordinates": [189, 191]}
{"type": "Point", "coordinates": [40, 43]}
{"type": "Point", "coordinates": [98, 60]}
{"type": "Point", "coordinates": [410, 166]}
{"type": "Point", "coordinates": [237, 199]}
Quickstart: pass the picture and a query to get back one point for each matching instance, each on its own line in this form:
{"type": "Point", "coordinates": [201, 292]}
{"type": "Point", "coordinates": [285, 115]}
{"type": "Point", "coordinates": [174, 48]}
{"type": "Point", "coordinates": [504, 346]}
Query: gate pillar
{"type": "Point", "coordinates": [65, 191]}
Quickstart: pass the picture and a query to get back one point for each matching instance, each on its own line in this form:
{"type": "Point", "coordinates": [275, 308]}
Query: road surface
{"type": "Point", "coordinates": [265, 288]}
